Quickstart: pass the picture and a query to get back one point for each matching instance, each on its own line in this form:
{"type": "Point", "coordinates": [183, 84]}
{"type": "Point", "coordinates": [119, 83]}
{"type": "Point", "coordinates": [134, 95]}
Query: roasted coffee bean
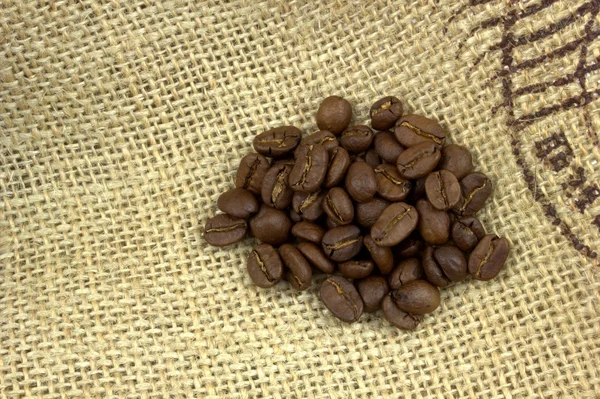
{"type": "Point", "coordinates": [339, 162]}
{"type": "Point", "coordinates": [294, 216]}
{"type": "Point", "coordinates": [284, 161]}
{"type": "Point", "coordinates": [476, 188]}
{"type": "Point", "coordinates": [338, 206]}
{"type": "Point", "coordinates": [360, 182]}
{"type": "Point", "coordinates": [418, 190]}
{"type": "Point", "coordinates": [415, 129]}
{"type": "Point", "coordinates": [271, 225]}
{"type": "Point", "coordinates": [398, 317]}
{"type": "Point", "coordinates": [356, 268]}
{"type": "Point", "coordinates": [308, 231]}
{"type": "Point", "coordinates": [238, 202]}
{"type": "Point", "coordinates": [223, 229]}
{"type": "Point", "coordinates": [406, 270]}
{"type": "Point", "coordinates": [309, 206]}
{"type": "Point", "coordinates": [417, 297]}
{"type": "Point", "coordinates": [357, 139]}
{"type": "Point", "coordinates": [382, 256]}
{"type": "Point", "coordinates": [372, 290]}
{"type": "Point", "coordinates": [276, 191]}
{"type": "Point", "coordinates": [341, 298]}
{"type": "Point", "coordinates": [367, 213]}
{"type": "Point", "coordinates": [444, 265]}
{"type": "Point", "coordinates": [488, 257]}
{"type": "Point", "coordinates": [466, 233]}
{"type": "Point", "coordinates": [418, 161]}
{"type": "Point", "coordinates": [396, 222]}
{"type": "Point", "coordinates": [334, 114]}
{"type": "Point", "coordinates": [342, 243]}
{"type": "Point", "coordinates": [251, 172]}
{"type": "Point", "coordinates": [457, 159]}
{"type": "Point", "coordinates": [322, 137]}
{"type": "Point", "coordinates": [277, 142]}
{"type": "Point", "coordinates": [372, 158]}
{"type": "Point", "coordinates": [298, 272]}
{"type": "Point", "coordinates": [387, 147]}
{"type": "Point", "coordinates": [442, 189]}
{"type": "Point", "coordinates": [390, 185]}
{"type": "Point", "coordinates": [385, 112]}
{"type": "Point", "coordinates": [315, 256]}
{"type": "Point", "coordinates": [434, 225]}
{"type": "Point", "coordinates": [409, 248]}
{"type": "Point", "coordinates": [264, 266]}
{"type": "Point", "coordinates": [310, 168]}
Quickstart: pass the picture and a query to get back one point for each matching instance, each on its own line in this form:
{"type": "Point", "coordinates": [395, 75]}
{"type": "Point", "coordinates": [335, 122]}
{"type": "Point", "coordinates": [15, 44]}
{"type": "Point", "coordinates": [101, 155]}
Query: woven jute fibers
{"type": "Point", "coordinates": [121, 122]}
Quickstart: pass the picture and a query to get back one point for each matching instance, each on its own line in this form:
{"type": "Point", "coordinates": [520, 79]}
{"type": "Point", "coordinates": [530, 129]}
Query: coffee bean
{"type": "Point", "coordinates": [342, 243]}
{"type": "Point", "coordinates": [357, 139]}
{"type": "Point", "coordinates": [309, 206]}
{"type": "Point", "coordinates": [456, 159]}
{"type": "Point", "coordinates": [382, 256]}
{"type": "Point", "coordinates": [442, 189]}
{"type": "Point", "coordinates": [277, 142]}
{"type": "Point", "coordinates": [271, 225]}
{"type": "Point", "coordinates": [308, 231]}
{"type": "Point", "coordinates": [275, 190]}
{"type": "Point", "coordinates": [418, 161]}
{"type": "Point", "coordinates": [372, 290]}
{"type": "Point", "coordinates": [396, 222]}
{"type": "Point", "coordinates": [322, 137]}
{"type": "Point", "coordinates": [311, 166]}
{"type": "Point", "coordinates": [372, 158]}
{"type": "Point", "coordinates": [224, 229]}
{"type": "Point", "coordinates": [284, 161]}
{"type": "Point", "coordinates": [251, 172]}
{"type": "Point", "coordinates": [417, 297]}
{"type": "Point", "coordinates": [466, 233]}
{"type": "Point", "coordinates": [476, 188]}
{"type": "Point", "coordinates": [264, 266]}
{"type": "Point", "coordinates": [488, 257]}
{"type": "Point", "coordinates": [316, 257]}
{"type": "Point", "coordinates": [406, 270]}
{"type": "Point", "coordinates": [360, 182]}
{"type": "Point", "coordinates": [294, 216]}
{"type": "Point", "coordinates": [415, 129]}
{"type": "Point", "coordinates": [334, 114]}
{"type": "Point", "coordinates": [238, 202]}
{"type": "Point", "coordinates": [409, 248]}
{"type": "Point", "coordinates": [356, 268]}
{"type": "Point", "coordinates": [385, 112]}
{"type": "Point", "coordinates": [398, 317]}
{"type": "Point", "coordinates": [387, 147]}
{"type": "Point", "coordinates": [367, 213]}
{"type": "Point", "coordinates": [339, 162]}
{"type": "Point", "coordinates": [434, 225]}
{"type": "Point", "coordinates": [390, 185]}
{"type": "Point", "coordinates": [444, 265]}
{"type": "Point", "coordinates": [338, 206]}
{"type": "Point", "coordinates": [341, 298]}
{"type": "Point", "coordinates": [298, 272]}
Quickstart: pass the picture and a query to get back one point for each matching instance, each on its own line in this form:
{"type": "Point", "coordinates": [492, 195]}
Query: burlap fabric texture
{"type": "Point", "coordinates": [121, 122]}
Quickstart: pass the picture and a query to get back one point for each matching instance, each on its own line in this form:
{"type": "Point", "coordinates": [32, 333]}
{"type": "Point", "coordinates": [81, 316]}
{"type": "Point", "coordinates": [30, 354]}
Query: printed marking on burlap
{"type": "Point", "coordinates": [554, 151]}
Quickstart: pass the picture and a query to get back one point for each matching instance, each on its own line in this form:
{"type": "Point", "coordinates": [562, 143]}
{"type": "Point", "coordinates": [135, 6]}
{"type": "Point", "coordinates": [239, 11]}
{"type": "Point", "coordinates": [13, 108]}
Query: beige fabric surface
{"type": "Point", "coordinates": [121, 122]}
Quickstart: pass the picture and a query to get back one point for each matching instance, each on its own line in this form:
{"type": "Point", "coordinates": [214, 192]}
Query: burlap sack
{"type": "Point", "coordinates": [121, 122]}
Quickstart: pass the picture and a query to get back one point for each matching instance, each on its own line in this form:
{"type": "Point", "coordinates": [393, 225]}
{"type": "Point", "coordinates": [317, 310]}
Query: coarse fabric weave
{"type": "Point", "coordinates": [122, 121]}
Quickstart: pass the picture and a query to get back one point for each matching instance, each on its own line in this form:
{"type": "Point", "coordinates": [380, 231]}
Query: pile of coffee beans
{"type": "Point", "coordinates": [387, 212]}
